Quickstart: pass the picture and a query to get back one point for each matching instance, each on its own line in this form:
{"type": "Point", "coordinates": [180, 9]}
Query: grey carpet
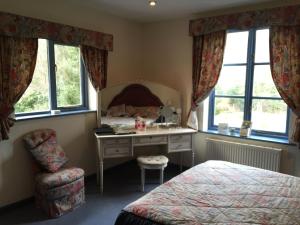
{"type": "Point", "coordinates": [121, 186]}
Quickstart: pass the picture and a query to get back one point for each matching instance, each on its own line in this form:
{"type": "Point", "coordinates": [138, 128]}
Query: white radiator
{"type": "Point", "coordinates": [251, 155]}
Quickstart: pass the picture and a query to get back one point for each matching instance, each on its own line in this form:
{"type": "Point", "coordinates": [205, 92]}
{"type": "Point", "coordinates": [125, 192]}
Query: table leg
{"type": "Point", "coordinates": [181, 161]}
{"type": "Point", "coordinates": [97, 164]}
{"type": "Point", "coordinates": [101, 176]}
{"type": "Point", "coordinates": [97, 170]}
{"type": "Point", "coordinates": [193, 158]}
{"type": "Point", "coordinates": [193, 151]}
{"type": "Point", "coordinates": [100, 165]}
{"type": "Point", "coordinates": [142, 179]}
{"type": "Point", "coordinates": [161, 176]}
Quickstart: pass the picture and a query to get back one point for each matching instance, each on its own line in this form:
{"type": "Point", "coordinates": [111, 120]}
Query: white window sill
{"type": "Point", "coordinates": [49, 115]}
{"type": "Point", "coordinates": [284, 141]}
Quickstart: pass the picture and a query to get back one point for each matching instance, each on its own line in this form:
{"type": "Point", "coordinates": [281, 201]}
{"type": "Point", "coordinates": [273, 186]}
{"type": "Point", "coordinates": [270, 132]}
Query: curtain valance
{"type": "Point", "coordinates": [283, 16]}
{"type": "Point", "coordinates": [24, 27]}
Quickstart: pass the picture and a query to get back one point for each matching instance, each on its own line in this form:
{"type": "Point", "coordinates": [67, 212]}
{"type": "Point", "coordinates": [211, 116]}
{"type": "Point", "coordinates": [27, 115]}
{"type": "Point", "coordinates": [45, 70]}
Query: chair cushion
{"type": "Point", "coordinates": [50, 155]}
{"type": "Point", "coordinates": [37, 137]}
{"type": "Point", "coordinates": [153, 160]}
{"type": "Point", "coordinates": [43, 146]}
{"type": "Point", "coordinates": [60, 178]}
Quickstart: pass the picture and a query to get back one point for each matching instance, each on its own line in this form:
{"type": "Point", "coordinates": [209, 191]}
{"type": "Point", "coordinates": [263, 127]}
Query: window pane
{"type": "Point", "coordinates": [262, 53]}
{"type": "Point", "coordinates": [236, 47]}
{"type": "Point", "coordinates": [67, 60]}
{"type": "Point", "coordinates": [36, 97]}
{"type": "Point", "coordinates": [269, 115]}
{"type": "Point", "coordinates": [229, 110]}
{"type": "Point", "coordinates": [263, 84]}
{"type": "Point", "coordinates": [231, 81]}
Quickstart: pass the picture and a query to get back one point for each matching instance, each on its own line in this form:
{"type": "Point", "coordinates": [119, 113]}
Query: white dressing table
{"type": "Point", "coordinates": [115, 146]}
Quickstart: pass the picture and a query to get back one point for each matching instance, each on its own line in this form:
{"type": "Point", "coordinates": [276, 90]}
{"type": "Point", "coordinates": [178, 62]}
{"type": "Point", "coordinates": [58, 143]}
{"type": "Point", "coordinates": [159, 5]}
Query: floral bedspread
{"type": "Point", "coordinates": [217, 192]}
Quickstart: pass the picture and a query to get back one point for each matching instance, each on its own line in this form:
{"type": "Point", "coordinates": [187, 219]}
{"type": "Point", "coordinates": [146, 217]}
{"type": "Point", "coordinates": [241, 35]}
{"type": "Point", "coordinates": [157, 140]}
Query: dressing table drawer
{"type": "Point", "coordinates": [150, 140]}
{"type": "Point", "coordinates": [116, 147]}
{"type": "Point", "coordinates": [116, 151]}
{"type": "Point", "coordinates": [183, 146]}
{"type": "Point", "coordinates": [180, 142]}
{"type": "Point", "coordinates": [178, 138]}
{"type": "Point", "coordinates": [116, 141]}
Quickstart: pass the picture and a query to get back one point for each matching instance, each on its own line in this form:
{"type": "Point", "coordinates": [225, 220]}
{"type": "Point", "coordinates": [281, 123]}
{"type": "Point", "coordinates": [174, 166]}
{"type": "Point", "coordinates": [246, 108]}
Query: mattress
{"type": "Point", "coordinates": [217, 192]}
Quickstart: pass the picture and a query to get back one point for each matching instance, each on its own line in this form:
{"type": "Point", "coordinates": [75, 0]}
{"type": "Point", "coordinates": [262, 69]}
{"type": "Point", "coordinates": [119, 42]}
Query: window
{"type": "Point", "coordinates": [59, 81]}
{"type": "Point", "coordinates": [245, 89]}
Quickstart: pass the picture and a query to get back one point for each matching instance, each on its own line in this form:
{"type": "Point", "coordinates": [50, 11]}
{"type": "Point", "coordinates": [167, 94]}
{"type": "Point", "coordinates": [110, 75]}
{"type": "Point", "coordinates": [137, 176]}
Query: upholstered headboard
{"type": "Point", "coordinates": [136, 95]}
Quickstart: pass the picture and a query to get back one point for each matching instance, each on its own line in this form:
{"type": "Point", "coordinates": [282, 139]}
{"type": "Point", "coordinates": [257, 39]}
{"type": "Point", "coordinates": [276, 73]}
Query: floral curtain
{"type": "Point", "coordinates": [208, 51]}
{"type": "Point", "coordinates": [20, 26]}
{"type": "Point", "coordinates": [285, 67]}
{"type": "Point", "coordinates": [284, 16]}
{"type": "Point", "coordinates": [17, 63]}
{"type": "Point", "coordinates": [95, 61]}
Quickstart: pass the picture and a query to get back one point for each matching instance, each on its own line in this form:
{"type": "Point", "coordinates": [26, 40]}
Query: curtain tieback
{"type": "Point", "coordinates": [296, 134]}
{"type": "Point", "coordinates": [194, 106]}
{"type": "Point", "coordinates": [298, 121]}
{"type": "Point", "coordinates": [5, 111]}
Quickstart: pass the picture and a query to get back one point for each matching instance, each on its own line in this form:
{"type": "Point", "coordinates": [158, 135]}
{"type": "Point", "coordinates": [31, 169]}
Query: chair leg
{"type": "Point", "coordinates": [161, 175]}
{"type": "Point", "coordinates": [142, 179]}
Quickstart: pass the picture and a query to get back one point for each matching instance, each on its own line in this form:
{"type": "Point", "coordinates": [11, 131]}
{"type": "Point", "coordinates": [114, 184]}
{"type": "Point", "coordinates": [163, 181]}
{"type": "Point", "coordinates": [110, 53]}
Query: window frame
{"type": "Point", "coordinates": [52, 85]}
{"type": "Point", "coordinates": [248, 95]}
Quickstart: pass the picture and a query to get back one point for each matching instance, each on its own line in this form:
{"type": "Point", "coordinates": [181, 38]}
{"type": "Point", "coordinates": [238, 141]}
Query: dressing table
{"type": "Point", "coordinates": [118, 146]}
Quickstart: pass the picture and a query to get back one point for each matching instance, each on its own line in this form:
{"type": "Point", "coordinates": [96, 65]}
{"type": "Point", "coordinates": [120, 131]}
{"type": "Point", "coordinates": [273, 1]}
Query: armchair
{"type": "Point", "coordinates": [58, 189]}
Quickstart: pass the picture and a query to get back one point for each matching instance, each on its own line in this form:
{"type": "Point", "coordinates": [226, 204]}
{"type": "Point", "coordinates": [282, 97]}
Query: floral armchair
{"type": "Point", "coordinates": [58, 189]}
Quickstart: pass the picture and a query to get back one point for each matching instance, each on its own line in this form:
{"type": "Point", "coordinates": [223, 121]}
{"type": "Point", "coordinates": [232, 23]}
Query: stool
{"type": "Point", "coordinates": [158, 162]}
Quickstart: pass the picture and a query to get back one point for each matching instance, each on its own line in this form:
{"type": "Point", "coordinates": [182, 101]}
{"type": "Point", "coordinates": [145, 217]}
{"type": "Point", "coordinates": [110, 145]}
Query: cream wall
{"type": "Point", "coordinates": [74, 132]}
{"type": "Point", "coordinates": [158, 52]}
{"type": "Point", "coordinates": [124, 63]}
{"type": "Point", "coordinates": [168, 59]}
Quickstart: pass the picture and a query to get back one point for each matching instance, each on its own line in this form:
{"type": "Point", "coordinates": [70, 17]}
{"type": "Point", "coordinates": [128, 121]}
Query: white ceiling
{"type": "Point", "coordinates": [139, 10]}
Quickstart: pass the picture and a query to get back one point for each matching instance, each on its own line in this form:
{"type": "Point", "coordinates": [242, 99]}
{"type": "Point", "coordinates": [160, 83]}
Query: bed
{"type": "Point", "coordinates": [134, 100]}
{"type": "Point", "coordinates": [218, 192]}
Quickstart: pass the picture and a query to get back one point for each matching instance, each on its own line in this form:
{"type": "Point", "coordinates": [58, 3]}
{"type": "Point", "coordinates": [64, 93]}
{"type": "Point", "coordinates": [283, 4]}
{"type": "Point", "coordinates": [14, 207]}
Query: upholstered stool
{"type": "Point", "coordinates": [158, 162]}
{"type": "Point", "coordinates": [60, 192]}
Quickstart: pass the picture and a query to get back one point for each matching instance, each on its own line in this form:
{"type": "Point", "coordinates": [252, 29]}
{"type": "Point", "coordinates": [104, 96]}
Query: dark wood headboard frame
{"type": "Point", "coordinates": [136, 95]}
